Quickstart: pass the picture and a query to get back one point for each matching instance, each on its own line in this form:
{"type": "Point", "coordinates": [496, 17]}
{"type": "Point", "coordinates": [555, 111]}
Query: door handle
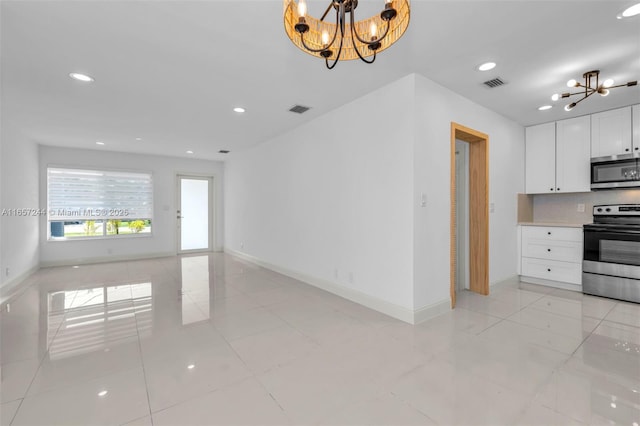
{"type": "Point", "coordinates": [179, 217]}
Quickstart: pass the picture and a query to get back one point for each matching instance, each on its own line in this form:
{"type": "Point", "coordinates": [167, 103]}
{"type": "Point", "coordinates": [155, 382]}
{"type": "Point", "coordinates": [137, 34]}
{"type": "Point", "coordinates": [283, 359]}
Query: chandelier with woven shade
{"type": "Point", "coordinates": [345, 38]}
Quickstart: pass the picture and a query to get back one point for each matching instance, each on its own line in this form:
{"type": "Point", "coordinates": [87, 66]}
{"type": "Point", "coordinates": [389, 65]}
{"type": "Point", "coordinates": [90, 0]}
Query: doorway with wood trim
{"type": "Point", "coordinates": [478, 210]}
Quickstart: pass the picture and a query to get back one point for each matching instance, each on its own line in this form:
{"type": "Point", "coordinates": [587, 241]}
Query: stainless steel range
{"type": "Point", "coordinates": [611, 266]}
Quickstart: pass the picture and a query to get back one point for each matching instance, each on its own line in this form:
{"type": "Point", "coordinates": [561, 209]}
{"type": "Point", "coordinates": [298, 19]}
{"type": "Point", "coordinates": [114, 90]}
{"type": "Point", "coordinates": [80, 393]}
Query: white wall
{"type": "Point", "coordinates": [342, 193]}
{"type": "Point", "coordinates": [436, 108]}
{"type": "Point", "coordinates": [332, 198]}
{"type": "Point", "coordinates": [19, 189]}
{"type": "Point", "coordinates": [163, 240]}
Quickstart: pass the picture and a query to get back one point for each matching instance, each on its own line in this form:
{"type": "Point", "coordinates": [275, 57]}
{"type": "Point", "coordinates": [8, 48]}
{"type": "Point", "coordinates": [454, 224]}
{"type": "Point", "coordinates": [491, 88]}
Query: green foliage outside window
{"type": "Point", "coordinates": [136, 225]}
{"type": "Point", "coordinates": [90, 227]}
{"type": "Point", "coordinates": [113, 226]}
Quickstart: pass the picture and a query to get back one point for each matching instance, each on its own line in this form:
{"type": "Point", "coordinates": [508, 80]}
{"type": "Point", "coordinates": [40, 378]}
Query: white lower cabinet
{"type": "Point", "coordinates": [555, 270]}
{"type": "Point", "coordinates": [551, 255]}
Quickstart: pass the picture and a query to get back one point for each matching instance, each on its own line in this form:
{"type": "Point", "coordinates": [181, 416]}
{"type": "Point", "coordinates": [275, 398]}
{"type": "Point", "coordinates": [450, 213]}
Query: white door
{"type": "Point", "coordinates": [195, 213]}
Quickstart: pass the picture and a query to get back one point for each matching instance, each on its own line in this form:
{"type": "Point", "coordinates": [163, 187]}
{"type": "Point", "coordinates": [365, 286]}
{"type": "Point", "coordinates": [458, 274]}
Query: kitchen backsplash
{"type": "Point", "coordinates": [564, 207]}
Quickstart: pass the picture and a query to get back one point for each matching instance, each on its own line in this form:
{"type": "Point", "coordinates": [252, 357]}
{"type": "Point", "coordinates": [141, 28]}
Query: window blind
{"type": "Point", "coordinates": [75, 194]}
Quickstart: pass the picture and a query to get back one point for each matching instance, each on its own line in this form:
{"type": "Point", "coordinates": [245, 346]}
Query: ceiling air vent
{"type": "Point", "coordinates": [299, 109]}
{"type": "Point", "coordinates": [494, 82]}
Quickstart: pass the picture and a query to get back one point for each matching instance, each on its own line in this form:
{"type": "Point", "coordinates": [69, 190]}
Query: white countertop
{"type": "Point", "coordinates": [564, 224]}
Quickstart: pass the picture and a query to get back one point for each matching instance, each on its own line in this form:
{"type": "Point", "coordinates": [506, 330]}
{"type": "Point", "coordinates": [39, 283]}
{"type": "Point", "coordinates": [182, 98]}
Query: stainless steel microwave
{"type": "Point", "coordinates": [616, 172]}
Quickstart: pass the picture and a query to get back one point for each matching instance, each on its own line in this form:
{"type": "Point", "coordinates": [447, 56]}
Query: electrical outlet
{"type": "Point", "coordinates": [6, 272]}
{"type": "Point", "coordinates": [492, 207]}
{"type": "Point", "coordinates": [8, 307]}
{"type": "Point", "coordinates": [580, 208]}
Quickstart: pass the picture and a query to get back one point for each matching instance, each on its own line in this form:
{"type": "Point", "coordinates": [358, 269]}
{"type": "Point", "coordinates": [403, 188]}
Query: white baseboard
{"type": "Point", "coordinates": [507, 282]}
{"type": "Point", "coordinates": [105, 259]}
{"type": "Point", "coordinates": [426, 313]}
{"type": "Point", "coordinates": [16, 285]}
{"type": "Point", "coordinates": [550, 283]}
{"type": "Point", "coordinates": [387, 308]}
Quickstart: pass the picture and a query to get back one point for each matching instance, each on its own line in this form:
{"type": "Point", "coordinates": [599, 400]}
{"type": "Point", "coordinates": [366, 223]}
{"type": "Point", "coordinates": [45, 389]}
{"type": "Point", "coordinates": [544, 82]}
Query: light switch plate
{"type": "Point", "coordinates": [580, 208]}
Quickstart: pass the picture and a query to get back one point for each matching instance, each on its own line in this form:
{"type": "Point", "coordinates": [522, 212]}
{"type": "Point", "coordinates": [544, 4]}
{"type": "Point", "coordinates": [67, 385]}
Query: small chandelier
{"type": "Point", "coordinates": [346, 38]}
{"type": "Point", "coordinates": [591, 85]}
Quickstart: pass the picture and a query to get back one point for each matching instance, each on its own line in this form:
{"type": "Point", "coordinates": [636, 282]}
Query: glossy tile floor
{"type": "Point", "coordinates": [214, 340]}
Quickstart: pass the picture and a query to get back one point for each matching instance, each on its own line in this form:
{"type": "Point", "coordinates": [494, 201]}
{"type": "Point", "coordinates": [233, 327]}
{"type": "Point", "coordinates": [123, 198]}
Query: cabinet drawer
{"type": "Point", "coordinates": [566, 251]}
{"type": "Point", "coordinates": [551, 233]}
{"type": "Point", "coordinates": [567, 272]}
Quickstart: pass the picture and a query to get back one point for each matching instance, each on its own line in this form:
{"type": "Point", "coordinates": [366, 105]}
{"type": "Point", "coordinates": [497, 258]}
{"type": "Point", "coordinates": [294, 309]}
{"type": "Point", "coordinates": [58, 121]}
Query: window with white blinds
{"type": "Point", "coordinates": [75, 194]}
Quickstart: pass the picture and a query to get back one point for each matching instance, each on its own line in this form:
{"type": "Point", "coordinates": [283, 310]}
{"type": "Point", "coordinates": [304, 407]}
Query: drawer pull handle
{"type": "Point", "coordinates": [548, 269]}
{"type": "Point", "coordinates": [549, 233]}
{"type": "Point", "coordinates": [548, 249]}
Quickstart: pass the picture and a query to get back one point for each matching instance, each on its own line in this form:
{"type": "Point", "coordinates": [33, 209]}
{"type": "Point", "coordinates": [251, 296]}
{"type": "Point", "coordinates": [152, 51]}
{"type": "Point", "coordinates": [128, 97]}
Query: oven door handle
{"type": "Point", "coordinates": [613, 231]}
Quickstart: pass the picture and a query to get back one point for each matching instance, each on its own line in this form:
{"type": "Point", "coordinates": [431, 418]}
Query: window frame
{"type": "Point", "coordinates": [102, 220]}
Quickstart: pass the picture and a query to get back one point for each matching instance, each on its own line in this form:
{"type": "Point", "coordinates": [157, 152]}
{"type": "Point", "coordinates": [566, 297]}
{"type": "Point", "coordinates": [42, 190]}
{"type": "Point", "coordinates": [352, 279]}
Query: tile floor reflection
{"type": "Point", "coordinates": [213, 340]}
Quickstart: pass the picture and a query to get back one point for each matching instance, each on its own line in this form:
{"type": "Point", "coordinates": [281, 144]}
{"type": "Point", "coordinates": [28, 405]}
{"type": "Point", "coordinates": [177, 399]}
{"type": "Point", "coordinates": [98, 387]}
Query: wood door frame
{"type": "Point", "coordinates": [478, 209]}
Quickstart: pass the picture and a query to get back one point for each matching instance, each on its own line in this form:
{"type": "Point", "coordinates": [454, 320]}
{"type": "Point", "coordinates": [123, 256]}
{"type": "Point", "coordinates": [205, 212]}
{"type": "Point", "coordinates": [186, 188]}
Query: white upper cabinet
{"type": "Point", "coordinates": [540, 159]}
{"type": "Point", "coordinates": [558, 156]}
{"type": "Point", "coordinates": [635, 119]}
{"type": "Point", "coordinates": [611, 132]}
{"type": "Point", "coordinates": [573, 155]}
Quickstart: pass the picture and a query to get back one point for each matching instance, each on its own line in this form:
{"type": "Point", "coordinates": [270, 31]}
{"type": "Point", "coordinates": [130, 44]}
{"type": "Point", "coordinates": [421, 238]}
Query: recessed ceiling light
{"type": "Point", "coordinates": [487, 66]}
{"type": "Point", "coordinates": [630, 11]}
{"type": "Point", "coordinates": [99, 143]}
{"type": "Point", "coordinates": [138, 139]}
{"type": "Point", "coordinates": [544, 107]}
{"type": "Point", "coordinates": [191, 366]}
{"type": "Point", "coordinates": [239, 109]}
{"type": "Point", "coordinates": [103, 393]}
{"type": "Point", "coordinates": [189, 152]}
{"type": "Point", "coordinates": [81, 77]}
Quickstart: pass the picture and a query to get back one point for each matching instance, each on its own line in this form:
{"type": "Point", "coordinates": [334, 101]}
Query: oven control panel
{"type": "Point", "coordinates": [617, 210]}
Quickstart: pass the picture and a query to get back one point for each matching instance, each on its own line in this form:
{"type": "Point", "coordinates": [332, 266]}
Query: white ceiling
{"type": "Point", "coordinates": [170, 72]}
